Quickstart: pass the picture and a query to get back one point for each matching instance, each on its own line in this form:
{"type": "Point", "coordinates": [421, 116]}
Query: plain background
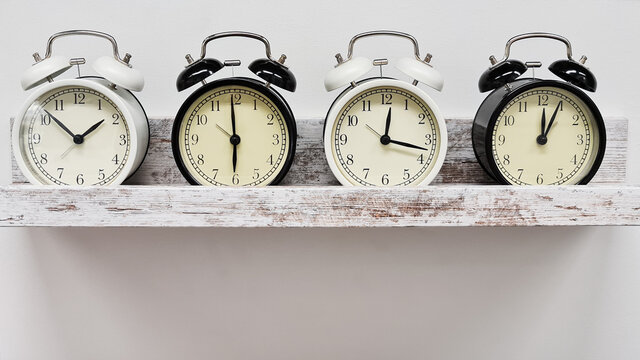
{"type": "Point", "coordinates": [540, 293]}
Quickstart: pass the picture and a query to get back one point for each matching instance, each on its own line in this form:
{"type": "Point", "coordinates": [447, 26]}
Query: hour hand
{"type": "Point", "coordinates": [553, 118]}
{"type": "Point", "coordinates": [62, 126]}
{"type": "Point", "coordinates": [92, 128]}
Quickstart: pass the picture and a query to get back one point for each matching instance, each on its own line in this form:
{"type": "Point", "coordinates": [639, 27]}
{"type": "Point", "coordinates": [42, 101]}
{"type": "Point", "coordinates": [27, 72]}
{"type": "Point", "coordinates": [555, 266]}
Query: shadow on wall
{"type": "Point", "coordinates": [321, 293]}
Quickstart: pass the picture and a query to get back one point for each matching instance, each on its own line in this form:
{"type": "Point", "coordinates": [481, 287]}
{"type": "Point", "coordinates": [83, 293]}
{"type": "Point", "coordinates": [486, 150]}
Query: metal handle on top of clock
{"type": "Point", "coordinates": [112, 40]}
{"type": "Point", "coordinates": [524, 36]}
{"type": "Point", "coordinates": [416, 48]}
{"type": "Point", "coordinates": [250, 35]}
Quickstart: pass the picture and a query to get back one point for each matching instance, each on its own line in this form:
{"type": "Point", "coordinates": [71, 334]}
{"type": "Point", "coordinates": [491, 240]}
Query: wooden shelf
{"type": "Point", "coordinates": [461, 195]}
{"type": "Point", "coordinates": [326, 206]}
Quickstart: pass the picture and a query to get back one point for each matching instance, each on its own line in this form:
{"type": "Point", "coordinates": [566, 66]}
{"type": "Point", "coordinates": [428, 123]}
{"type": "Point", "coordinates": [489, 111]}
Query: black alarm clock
{"type": "Point", "coordinates": [531, 131]}
{"type": "Point", "coordinates": [235, 131]}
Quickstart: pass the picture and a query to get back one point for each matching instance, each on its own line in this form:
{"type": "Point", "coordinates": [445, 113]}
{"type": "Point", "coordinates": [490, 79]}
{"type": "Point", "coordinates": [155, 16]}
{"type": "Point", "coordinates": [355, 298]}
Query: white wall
{"type": "Point", "coordinates": [556, 293]}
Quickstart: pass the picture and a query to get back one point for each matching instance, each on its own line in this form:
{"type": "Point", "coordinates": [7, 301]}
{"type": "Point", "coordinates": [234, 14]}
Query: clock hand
{"type": "Point", "coordinates": [542, 138]}
{"type": "Point", "coordinates": [388, 124]}
{"type": "Point", "coordinates": [223, 130]}
{"type": "Point", "coordinates": [553, 117]}
{"type": "Point", "coordinates": [92, 128]}
{"type": "Point", "coordinates": [543, 124]}
{"type": "Point", "coordinates": [233, 117]}
{"type": "Point", "coordinates": [234, 139]}
{"type": "Point", "coordinates": [67, 151]}
{"type": "Point", "coordinates": [401, 143]}
{"type": "Point", "coordinates": [79, 139]}
{"type": "Point", "coordinates": [235, 157]}
{"type": "Point", "coordinates": [375, 132]}
{"type": "Point", "coordinates": [60, 124]}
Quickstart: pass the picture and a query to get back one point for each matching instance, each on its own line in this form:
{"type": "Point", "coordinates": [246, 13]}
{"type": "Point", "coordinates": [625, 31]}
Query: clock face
{"type": "Point", "coordinates": [385, 136]}
{"type": "Point", "coordinates": [74, 135]}
{"type": "Point", "coordinates": [233, 135]}
{"type": "Point", "coordinates": [545, 136]}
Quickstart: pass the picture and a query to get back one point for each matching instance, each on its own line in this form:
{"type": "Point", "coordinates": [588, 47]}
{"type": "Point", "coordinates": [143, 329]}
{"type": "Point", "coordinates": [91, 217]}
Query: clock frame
{"type": "Point", "coordinates": [363, 86]}
{"type": "Point", "coordinates": [124, 100]}
{"type": "Point", "coordinates": [255, 85]}
{"type": "Point", "coordinates": [492, 106]}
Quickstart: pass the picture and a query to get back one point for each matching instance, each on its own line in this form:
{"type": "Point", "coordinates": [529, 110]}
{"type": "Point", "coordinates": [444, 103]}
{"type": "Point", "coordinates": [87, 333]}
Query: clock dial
{"type": "Point", "coordinates": [234, 135]}
{"type": "Point", "coordinates": [74, 136]}
{"type": "Point", "coordinates": [545, 136]}
{"type": "Point", "coordinates": [385, 136]}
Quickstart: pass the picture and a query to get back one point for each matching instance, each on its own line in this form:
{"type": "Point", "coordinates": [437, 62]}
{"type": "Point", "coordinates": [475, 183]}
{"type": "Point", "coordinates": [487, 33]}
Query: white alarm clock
{"type": "Point", "coordinates": [85, 131]}
{"type": "Point", "coordinates": [383, 131]}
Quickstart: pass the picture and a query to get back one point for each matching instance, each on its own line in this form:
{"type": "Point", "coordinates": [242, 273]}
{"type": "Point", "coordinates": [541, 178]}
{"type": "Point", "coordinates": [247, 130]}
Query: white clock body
{"type": "Point", "coordinates": [122, 104]}
{"type": "Point", "coordinates": [391, 156]}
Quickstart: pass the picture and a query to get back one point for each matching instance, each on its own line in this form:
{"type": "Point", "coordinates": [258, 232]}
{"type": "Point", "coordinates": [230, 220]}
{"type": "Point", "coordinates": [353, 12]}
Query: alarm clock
{"type": "Point", "coordinates": [532, 131]}
{"type": "Point", "coordinates": [235, 131]}
{"type": "Point", "coordinates": [382, 131]}
{"type": "Point", "coordinates": [85, 131]}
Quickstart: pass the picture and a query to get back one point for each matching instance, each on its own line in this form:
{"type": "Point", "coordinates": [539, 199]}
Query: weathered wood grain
{"type": "Point", "coordinates": [310, 166]}
{"type": "Point", "coordinates": [322, 206]}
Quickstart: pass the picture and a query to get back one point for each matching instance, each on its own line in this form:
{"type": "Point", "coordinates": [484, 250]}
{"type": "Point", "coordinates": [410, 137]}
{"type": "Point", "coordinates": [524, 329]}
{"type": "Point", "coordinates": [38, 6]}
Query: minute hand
{"type": "Point", "coordinates": [62, 126]}
{"type": "Point", "coordinates": [401, 143]}
{"type": "Point", "coordinates": [553, 117]}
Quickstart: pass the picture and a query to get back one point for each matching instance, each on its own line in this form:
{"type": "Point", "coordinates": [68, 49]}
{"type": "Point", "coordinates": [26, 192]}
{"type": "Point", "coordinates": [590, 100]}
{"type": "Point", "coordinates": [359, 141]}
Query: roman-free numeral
{"type": "Point", "coordinates": [576, 118]}
{"type": "Point", "coordinates": [522, 106]}
{"type": "Point", "coordinates": [509, 120]}
{"type": "Point", "coordinates": [501, 139]}
{"type": "Point", "coordinates": [45, 120]}
{"type": "Point", "coordinates": [543, 100]}
{"type": "Point", "coordinates": [78, 98]}
{"type": "Point", "coordinates": [201, 120]}
{"type": "Point", "coordinates": [385, 179]}
{"type": "Point", "coordinates": [349, 159]}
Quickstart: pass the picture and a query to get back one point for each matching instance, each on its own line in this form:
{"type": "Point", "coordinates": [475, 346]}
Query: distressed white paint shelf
{"type": "Point", "coordinates": [462, 195]}
{"type": "Point", "coordinates": [325, 206]}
